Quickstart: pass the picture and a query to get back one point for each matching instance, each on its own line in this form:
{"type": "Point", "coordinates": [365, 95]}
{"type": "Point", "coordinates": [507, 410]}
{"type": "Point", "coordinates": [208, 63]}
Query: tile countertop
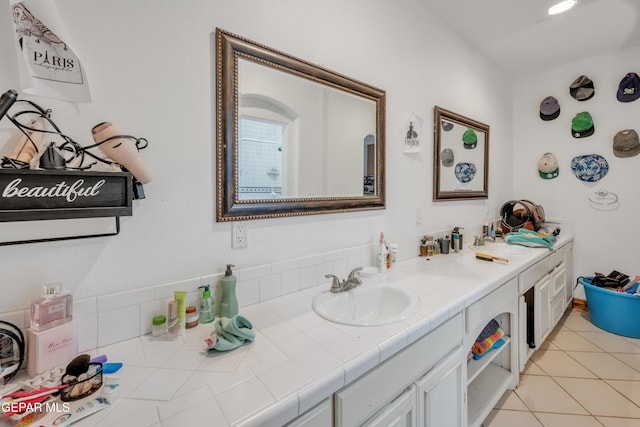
{"type": "Point", "coordinates": [297, 358]}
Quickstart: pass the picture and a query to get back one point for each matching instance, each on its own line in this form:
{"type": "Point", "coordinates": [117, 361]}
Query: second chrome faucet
{"type": "Point", "coordinates": [349, 283]}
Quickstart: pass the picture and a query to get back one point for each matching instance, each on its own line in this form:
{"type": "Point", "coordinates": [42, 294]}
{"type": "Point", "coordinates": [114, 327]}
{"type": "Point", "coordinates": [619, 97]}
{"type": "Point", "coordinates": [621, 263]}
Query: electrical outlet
{"type": "Point", "coordinates": [239, 235]}
{"type": "Point", "coordinates": [418, 216]}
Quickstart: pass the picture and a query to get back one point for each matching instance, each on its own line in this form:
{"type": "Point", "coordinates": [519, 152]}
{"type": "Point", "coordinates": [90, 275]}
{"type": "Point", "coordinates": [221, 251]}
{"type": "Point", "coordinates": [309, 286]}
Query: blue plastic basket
{"type": "Point", "coordinates": [616, 312]}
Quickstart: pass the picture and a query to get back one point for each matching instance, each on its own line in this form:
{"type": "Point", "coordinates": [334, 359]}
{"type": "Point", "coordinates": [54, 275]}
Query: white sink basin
{"type": "Point", "coordinates": [370, 305]}
{"type": "Point", "coordinates": [501, 249]}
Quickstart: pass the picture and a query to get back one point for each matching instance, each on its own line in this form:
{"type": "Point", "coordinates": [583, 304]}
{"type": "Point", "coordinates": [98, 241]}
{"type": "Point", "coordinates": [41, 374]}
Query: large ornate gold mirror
{"type": "Point", "coordinates": [461, 157]}
{"type": "Point", "coordinates": [293, 138]}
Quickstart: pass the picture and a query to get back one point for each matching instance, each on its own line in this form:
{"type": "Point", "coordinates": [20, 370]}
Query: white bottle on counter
{"type": "Point", "coordinates": [382, 255]}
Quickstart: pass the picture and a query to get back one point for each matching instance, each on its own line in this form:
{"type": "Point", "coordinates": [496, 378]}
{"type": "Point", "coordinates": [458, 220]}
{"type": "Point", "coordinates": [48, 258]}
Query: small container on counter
{"type": "Point", "coordinates": [192, 317]}
{"type": "Point", "coordinates": [159, 325]}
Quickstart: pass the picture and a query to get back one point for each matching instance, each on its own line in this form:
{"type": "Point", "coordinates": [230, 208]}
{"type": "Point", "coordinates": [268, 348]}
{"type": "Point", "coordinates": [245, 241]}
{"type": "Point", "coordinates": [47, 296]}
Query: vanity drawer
{"type": "Point", "coordinates": [533, 274]}
{"type": "Point", "coordinates": [364, 397]}
{"type": "Point", "coordinates": [480, 312]}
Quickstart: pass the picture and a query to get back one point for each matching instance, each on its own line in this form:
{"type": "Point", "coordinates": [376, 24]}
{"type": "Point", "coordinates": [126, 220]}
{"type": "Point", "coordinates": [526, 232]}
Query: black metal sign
{"type": "Point", "coordinates": [48, 194]}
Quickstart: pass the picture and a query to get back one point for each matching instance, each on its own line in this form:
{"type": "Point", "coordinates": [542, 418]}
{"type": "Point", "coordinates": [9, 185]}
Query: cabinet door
{"type": "Point", "coordinates": [440, 394]}
{"type": "Point", "coordinates": [543, 290]}
{"type": "Point", "coordinates": [319, 416]}
{"type": "Point", "coordinates": [400, 413]}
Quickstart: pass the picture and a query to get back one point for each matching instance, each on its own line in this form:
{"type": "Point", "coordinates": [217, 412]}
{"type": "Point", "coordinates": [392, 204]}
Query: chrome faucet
{"type": "Point", "coordinates": [349, 283]}
{"type": "Point", "coordinates": [480, 240]}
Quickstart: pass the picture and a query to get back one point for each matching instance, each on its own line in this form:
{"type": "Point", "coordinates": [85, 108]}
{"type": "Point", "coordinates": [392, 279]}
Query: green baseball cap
{"type": "Point", "coordinates": [582, 125]}
{"type": "Point", "coordinates": [470, 139]}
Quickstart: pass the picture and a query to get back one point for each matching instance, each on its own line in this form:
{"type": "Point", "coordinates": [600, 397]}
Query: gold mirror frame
{"type": "Point", "coordinates": [229, 48]}
{"type": "Point", "coordinates": [446, 184]}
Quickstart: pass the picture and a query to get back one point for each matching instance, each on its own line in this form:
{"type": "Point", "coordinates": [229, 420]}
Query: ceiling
{"type": "Point", "coordinates": [521, 38]}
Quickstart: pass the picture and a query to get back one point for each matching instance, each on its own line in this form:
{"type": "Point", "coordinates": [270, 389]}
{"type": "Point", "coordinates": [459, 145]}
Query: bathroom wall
{"type": "Point", "coordinates": [150, 66]}
{"type": "Point", "coordinates": [605, 240]}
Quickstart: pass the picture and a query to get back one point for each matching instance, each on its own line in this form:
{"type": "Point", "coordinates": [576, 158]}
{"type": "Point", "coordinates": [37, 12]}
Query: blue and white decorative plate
{"type": "Point", "coordinates": [589, 167]}
{"type": "Point", "coordinates": [465, 172]}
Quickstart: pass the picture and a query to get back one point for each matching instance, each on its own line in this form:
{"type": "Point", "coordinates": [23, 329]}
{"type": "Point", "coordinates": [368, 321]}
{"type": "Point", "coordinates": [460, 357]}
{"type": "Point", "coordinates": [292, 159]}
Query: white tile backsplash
{"type": "Point", "coordinates": [270, 287]}
{"type": "Point", "coordinates": [118, 325]}
{"type": "Point", "coordinates": [111, 318]}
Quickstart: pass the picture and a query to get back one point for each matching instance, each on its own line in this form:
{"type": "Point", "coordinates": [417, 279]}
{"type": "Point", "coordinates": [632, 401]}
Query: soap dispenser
{"type": "Point", "coordinates": [224, 295]}
{"type": "Point", "coordinates": [206, 305]}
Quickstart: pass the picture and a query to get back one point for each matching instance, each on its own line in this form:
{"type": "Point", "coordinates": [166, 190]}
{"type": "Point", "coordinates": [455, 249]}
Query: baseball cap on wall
{"type": "Point", "coordinates": [589, 167]}
{"type": "Point", "coordinates": [582, 88]}
{"type": "Point", "coordinates": [548, 166]}
{"type": "Point", "coordinates": [626, 143]}
{"type": "Point", "coordinates": [549, 108]}
{"type": "Point", "coordinates": [447, 157]}
{"type": "Point", "coordinates": [469, 139]}
{"type": "Point", "coordinates": [582, 125]}
{"type": "Point", "coordinates": [629, 88]}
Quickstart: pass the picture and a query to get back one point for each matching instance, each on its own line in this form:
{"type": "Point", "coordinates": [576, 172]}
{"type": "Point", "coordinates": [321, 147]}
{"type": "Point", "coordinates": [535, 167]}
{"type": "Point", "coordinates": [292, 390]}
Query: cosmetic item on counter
{"type": "Point", "coordinates": [456, 242]}
{"type": "Point", "coordinates": [181, 298]}
{"type": "Point", "coordinates": [53, 308]}
{"type": "Point", "coordinates": [173, 328]}
{"type": "Point", "coordinates": [159, 325]}
{"type": "Point", "coordinates": [393, 250]}
{"type": "Point", "coordinates": [382, 255]}
{"type": "Point", "coordinates": [224, 295]}
{"type": "Point", "coordinates": [457, 231]}
{"type": "Point", "coordinates": [192, 317]}
{"type": "Point", "coordinates": [444, 245]}
{"type": "Point", "coordinates": [206, 305]}
{"type": "Point", "coordinates": [50, 348]}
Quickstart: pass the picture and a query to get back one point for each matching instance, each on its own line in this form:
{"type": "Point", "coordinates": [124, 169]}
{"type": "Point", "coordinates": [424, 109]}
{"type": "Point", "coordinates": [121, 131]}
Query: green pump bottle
{"type": "Point", "coordinates": [224, 295]}
{"type": "Point", "coordinates": [206, 305]}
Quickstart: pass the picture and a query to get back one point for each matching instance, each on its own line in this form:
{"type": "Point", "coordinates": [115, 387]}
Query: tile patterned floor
{"type": "Point", "coordinates": [581, 376]}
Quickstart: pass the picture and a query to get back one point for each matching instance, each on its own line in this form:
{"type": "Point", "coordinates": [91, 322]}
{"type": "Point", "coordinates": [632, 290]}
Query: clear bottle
{"type": "Point", "coordinates": [52, 309]}
{"type": "Point", "coordinates": [173, 327]}
{"type": "Point", "coordinates": [206, 305]}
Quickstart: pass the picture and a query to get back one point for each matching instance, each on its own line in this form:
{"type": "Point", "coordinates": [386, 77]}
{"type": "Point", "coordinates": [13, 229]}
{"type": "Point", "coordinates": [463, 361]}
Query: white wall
{"type": "Point", "coordinates": [150, 66]}
{"type": "Point", "coordinates": [604, 240]}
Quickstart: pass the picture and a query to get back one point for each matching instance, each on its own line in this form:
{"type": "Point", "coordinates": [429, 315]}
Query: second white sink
{"type": "Point", "coordinates": [370, 305]}
{"type": "Point", "coordinates": [501, 249]}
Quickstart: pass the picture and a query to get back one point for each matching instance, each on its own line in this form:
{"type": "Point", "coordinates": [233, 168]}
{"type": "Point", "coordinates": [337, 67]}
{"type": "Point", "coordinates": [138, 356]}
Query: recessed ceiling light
{"type": "Point", "coordinates": [561, 7]}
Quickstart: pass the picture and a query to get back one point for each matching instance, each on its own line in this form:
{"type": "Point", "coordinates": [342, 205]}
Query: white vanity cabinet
{"type": "Point", "coordinates": [440, 394]}
{"type": "Point", "coordinates": [384, 393]}
{"type": "Point", "coordinates": [546, 289]}
{"type": "Point", "coordinates": [489, 377]}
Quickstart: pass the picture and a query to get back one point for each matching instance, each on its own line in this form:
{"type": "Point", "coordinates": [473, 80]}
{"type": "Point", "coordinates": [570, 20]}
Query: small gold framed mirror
{"type": "Point", "coordinates": [461, 157]}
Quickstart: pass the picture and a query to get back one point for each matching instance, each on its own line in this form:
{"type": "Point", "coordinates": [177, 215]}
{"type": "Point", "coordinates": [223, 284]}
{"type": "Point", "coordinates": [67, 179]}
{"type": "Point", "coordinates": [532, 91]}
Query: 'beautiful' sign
{"type": "Point", "coordinates": [69, 192]}
{"type": "Point", "coordinates": [47, 194]}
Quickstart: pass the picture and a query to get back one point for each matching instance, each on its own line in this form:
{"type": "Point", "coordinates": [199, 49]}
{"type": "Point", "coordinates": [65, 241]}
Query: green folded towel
{"type": "Point", "coordinates": [531, 239]}
{"type": "Point", "coordinates": [229, 333]}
